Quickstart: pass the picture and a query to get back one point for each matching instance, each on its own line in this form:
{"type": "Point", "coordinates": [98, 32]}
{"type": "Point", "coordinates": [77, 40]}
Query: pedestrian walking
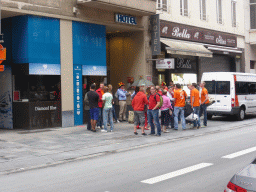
{"type": "Point", "coordinates": [153, 111]}
{"type": "Point", "coordinates": [100, 92]}
{"type": "Point", "coordinates": [93, 98]}
{"type": "Point", "coordinates": [110, 87]}
{"type": "Point", "coordinates": [204, 103]}
{"type": "Point", "coordinates": [165, 112]}
{"type": "Point", "coordinates": [170, 95]}
{"type": "Point", "coordinates": [107, 99]}
{"type": "Point", "coordinates": [121, 94]}
{"type": "Point", "coordinates": [179, 104]}
{"type": "Point", "coordinates": [138, 104]}
{"type": "Point", "coordinates": [195, 104]}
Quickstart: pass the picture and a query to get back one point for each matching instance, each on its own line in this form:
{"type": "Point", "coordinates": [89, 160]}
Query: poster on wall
{"type": "Point", "coordinates": [6, 118]}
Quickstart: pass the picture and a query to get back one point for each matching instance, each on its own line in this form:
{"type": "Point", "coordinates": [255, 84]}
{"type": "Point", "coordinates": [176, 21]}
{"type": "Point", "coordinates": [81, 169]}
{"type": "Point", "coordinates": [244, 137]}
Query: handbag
{"type": "Point", "coordinates": [192, 117]}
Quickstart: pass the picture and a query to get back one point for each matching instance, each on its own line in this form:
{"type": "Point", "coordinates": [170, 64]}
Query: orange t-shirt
{"type": "Point", "coordinates": [195, 93]}
{"type": "Point", "coordinates": [180, 98]}
{"type": "Point", "coordinates": [204, 92]}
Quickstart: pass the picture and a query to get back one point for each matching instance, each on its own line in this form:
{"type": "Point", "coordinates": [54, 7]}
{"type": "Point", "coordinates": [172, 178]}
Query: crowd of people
{"type": "Point", "coordinates": [156, 107]}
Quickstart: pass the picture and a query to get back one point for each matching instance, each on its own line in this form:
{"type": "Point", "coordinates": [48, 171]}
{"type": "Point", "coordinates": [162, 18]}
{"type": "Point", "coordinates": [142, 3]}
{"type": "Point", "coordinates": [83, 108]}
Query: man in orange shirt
{"type": "Point", "coordinates": [204, 102]}
{"type": "Point", "coordinates": [195, 103]}
{"type": "Point", "coordinates": [179, 104]}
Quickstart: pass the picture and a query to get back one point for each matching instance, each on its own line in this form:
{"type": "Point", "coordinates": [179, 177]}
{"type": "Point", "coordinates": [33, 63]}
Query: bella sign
{"type": "Point", "coordinates": [126, 19]}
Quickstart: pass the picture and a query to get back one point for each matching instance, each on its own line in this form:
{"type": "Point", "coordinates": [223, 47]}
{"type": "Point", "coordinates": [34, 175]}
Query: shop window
{"type": "Point", "coordinates": [203, 10]}
{"type": "Point", "coordinates": [252, 88]}
{"type": "Point", "coordinates": [219, 12]}
{"type": "Point", "coordinates": [184, 7]}
{"type": "Point", "coordinates": [233, 12]}
{"type": "Point", "coordinates": [253, 13]}
{"type": "Point", "coordinates": [162, 5]}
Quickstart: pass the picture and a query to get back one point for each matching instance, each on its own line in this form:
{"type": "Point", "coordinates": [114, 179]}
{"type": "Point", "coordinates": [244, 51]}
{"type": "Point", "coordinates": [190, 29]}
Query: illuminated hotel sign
{"type": "Point", "coordinates": [119, 18]}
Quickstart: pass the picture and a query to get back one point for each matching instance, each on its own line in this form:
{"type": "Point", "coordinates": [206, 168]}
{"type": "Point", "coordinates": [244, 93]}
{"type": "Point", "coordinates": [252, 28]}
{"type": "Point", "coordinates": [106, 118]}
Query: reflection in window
{"type": "Point", "coordinates": [184, 7]}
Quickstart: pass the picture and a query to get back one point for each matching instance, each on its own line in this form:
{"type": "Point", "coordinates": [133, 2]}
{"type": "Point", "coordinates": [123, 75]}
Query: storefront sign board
{"type": "Point", "coordinates": [189, 33]}
{"type": "Point", "coordinates": [155, 35]}
{"type": "Point", "coordinates": [78, 95]}
{"type": "Point", "coordinates": [120, 18]}
{"type": "Point", "coordinates": [165, 64]}
{"type": "Point", "coordinates": [44, 69]}
{"type": "Point", "coordinates": [94, 70]}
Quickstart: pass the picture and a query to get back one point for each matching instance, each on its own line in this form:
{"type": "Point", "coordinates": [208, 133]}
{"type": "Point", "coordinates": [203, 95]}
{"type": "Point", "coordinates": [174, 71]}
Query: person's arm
{"type": "Point", "coordinates": [146, 100]}
{"type": "Point", "coordinates": [192, 102]}
{"type": "Point", "coordinates": [206, 98]}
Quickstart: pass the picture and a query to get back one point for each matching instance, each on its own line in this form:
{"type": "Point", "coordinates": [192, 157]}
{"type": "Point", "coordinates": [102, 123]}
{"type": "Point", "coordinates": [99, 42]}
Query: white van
{"type": "Point", "coordinates": [233, 93]}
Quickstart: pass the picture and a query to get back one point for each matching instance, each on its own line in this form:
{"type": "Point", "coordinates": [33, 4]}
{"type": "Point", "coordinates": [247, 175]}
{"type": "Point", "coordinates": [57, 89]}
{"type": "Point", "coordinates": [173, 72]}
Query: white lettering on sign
{"type": "Point", "coordinates": [221, 41]}
{"type": "Point", "coordinates": [126, 19]}
{"type": "Point", "coordinates": [48, 108]}
{"type": "Point", "coordinates": [165, 30]}
{"type": "Point", "coordinates": [183, 34]}
{"type": "Point", "coordinates": [184, 65]}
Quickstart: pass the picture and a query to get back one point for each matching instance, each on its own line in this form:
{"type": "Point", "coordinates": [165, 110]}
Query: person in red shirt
{"type": "Point", "coordinates": [204, 103]}
{"type": "Point", "coordinates": [138, 105]}
{"type": "Point", "coordinates": [153, 111]}
{"type": "Point", "coordinates": [100, 92]}
{"type": "Point", "coordinates": [195, 103]}
{"type": "Point", "coordinates": [158, 90]}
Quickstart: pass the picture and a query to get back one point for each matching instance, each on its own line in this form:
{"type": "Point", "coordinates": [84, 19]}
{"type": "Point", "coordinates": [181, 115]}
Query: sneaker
{"type": "Point", "coordinates": [198, 127]}
{"type": "Point", "coordinates": [175, 129]}
{"type": "Point", "coordinates": [146, 128]}
{"type": "Point", "coordinates": [166, 131]}
{"type": "Point", "coordinates": [151, 134]}
{"type": "Point", "coordinates": [93, 130]}
{"type": "Point", "coordinates": [203, 126]}
{"type": "Point", "coordinates": [135, 133]}
{"type": "Point", "coordinates": [104, 131]}
{"type": "Point", "coordinates": [111, 130]}
{"type": "Point", "coordinates": [117, 121]}
{"type": "Point", "coordinates": [158, 135]}
{"type": "Point", "coordinates": [144, 134]}
{"type": "Point", "coordinates": [108, 124]}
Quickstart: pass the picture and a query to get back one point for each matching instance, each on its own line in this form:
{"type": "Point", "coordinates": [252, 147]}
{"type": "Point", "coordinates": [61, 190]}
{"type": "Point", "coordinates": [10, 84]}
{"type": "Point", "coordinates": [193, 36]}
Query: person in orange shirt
{"type": "Point", "coordinates": [179, 104]}
{"type": "Point", "coordinates": [195, 103]}
{"type": "Point", "coordinates": [204, 103]}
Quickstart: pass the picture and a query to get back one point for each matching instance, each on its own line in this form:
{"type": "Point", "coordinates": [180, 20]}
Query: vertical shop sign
{"type": "Point", "coordinates": [155, 34]}
{"type": "Point", "coordinates": [78, 95]}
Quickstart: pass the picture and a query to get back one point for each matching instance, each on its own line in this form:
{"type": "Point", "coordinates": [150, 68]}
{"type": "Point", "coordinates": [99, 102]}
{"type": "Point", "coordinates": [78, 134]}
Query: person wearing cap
{"type": "Point", "coordinates": [121, 94]}
{"type": "Point", "coordinates": [164, 87]}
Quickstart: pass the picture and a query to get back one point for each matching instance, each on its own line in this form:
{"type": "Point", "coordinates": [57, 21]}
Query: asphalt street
{"type": "Point", "coordinates": [204, 163]}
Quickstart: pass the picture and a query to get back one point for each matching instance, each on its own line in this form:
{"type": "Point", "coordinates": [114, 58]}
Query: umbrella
{"type": "Point", "coordinates": [142, 82]}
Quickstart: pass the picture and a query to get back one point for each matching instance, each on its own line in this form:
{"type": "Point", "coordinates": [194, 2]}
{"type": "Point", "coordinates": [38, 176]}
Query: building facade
{"type": "Point", "coordinates": [56, 49]}
{"type": "Point", "coordinates": [199, 36]}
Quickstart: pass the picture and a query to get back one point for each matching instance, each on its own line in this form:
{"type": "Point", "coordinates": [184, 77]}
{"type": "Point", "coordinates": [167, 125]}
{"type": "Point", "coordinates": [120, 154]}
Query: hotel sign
{"type": "Point", "coordinates": [155, 34]}
{"type": "Point", "coordinates": [126, 19]}
{"type": "Point", "coordinates": [185, 32]}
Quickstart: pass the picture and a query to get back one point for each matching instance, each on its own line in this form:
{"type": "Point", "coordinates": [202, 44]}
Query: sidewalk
{"type": "Point", "coordinates": [22, 150]}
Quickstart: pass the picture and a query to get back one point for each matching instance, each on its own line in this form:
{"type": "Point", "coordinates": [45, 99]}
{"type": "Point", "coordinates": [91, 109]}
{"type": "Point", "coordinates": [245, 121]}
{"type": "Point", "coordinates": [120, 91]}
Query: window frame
{"type": "Point", "coordinates": [202, 16]}
{"type": "Point", "coordinates": [251, 4]}
{"type": "Point", "coordinates": [233, 13]}
{"type": "Point", "coordinates": [182, 8]}
{"type": "Point", "coordinates": [219, 9]}
{"type": "Point", "coordinates": [162, 6]}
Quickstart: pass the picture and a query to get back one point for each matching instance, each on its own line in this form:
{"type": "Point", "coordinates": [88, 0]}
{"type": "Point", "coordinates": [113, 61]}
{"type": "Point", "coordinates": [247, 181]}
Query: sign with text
{"type": "Point", "coordinates": [185, 32]}
{"type": "Point", "coordinates": [155, 35]}
{"type": "Point", "coordinates": [78, 95]}
{"type": "Point", "coordinates": [165, 64]}
{"type": "Point", "coordinates": [120, 18]}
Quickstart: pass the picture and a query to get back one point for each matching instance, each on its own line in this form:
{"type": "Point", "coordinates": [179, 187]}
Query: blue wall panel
{"type": "Point", "coordinates": [35, 40]}
{"type": "Point", "coordinates": [89, 44]}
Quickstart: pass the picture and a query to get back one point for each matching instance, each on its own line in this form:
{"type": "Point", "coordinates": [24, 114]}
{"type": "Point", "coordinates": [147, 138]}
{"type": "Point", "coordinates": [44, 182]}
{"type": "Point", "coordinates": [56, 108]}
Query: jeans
{"type": "Point", "coordinates": [114, 112]}
{"type": "Point", "coordinates": [179, 111]}
{"type": "Point", "coordinates": [99, 122]}
{"type": "Point", "coordinates": [197, 111]}
{"type": "Point", "coordinates": [154, 114]}
{"type": "Point", "coordinates": [203, 111]}
{"type": "Point", "coordinates": [108, 116]}
{"type": "Point", "coordinates": [89, 120]}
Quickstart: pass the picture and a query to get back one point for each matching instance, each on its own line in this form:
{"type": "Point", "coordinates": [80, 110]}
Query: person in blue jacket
{"type": "Point", "coordinates": [121, 95]}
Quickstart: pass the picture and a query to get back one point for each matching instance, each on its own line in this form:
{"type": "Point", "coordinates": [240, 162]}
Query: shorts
{"type": "Point", "coordinates": [94, 112]}
{"type": "Point", "coordinates": [139, 118]}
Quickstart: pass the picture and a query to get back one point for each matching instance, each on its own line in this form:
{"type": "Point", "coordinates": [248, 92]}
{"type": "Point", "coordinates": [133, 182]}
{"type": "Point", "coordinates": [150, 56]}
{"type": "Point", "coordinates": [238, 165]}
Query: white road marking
{"type": "Point", "coordinates": [176, 173]}
{"type": "Point", "coordinates": [237, 154]}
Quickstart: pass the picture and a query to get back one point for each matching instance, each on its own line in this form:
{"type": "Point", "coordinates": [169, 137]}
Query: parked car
{"type": "Point", "coordinates": [244, 180]}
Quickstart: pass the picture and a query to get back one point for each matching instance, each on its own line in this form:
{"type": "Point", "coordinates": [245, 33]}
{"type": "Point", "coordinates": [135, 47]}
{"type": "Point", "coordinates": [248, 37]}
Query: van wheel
{"type": "Point", "coordinates": [209, 117]}
{"type": "Point", "coordinates": [241, 114]}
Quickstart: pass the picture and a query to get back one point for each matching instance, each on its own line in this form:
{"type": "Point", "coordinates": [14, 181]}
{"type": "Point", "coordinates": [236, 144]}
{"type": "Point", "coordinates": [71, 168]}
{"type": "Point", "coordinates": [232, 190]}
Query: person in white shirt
{"type": "Point", "coordinates": [107, 99]}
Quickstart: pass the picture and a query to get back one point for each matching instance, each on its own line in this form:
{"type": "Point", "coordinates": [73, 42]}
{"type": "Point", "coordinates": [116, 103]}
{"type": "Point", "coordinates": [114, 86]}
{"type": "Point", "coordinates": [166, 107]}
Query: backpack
{"type": "Point", "coordinates": [161, 99]}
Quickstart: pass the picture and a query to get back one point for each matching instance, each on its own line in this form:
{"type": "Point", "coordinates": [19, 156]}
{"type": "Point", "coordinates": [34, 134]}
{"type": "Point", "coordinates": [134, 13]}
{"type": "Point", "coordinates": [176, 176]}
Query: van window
{"type": "Point", "coordinates": [252, 88]}
{"type": "Point", "coordinates": [242, 88]}
{"type": "Point", "coordinates": [223, 87]}
{"type": "Point", "coordinates": [218, 87]}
